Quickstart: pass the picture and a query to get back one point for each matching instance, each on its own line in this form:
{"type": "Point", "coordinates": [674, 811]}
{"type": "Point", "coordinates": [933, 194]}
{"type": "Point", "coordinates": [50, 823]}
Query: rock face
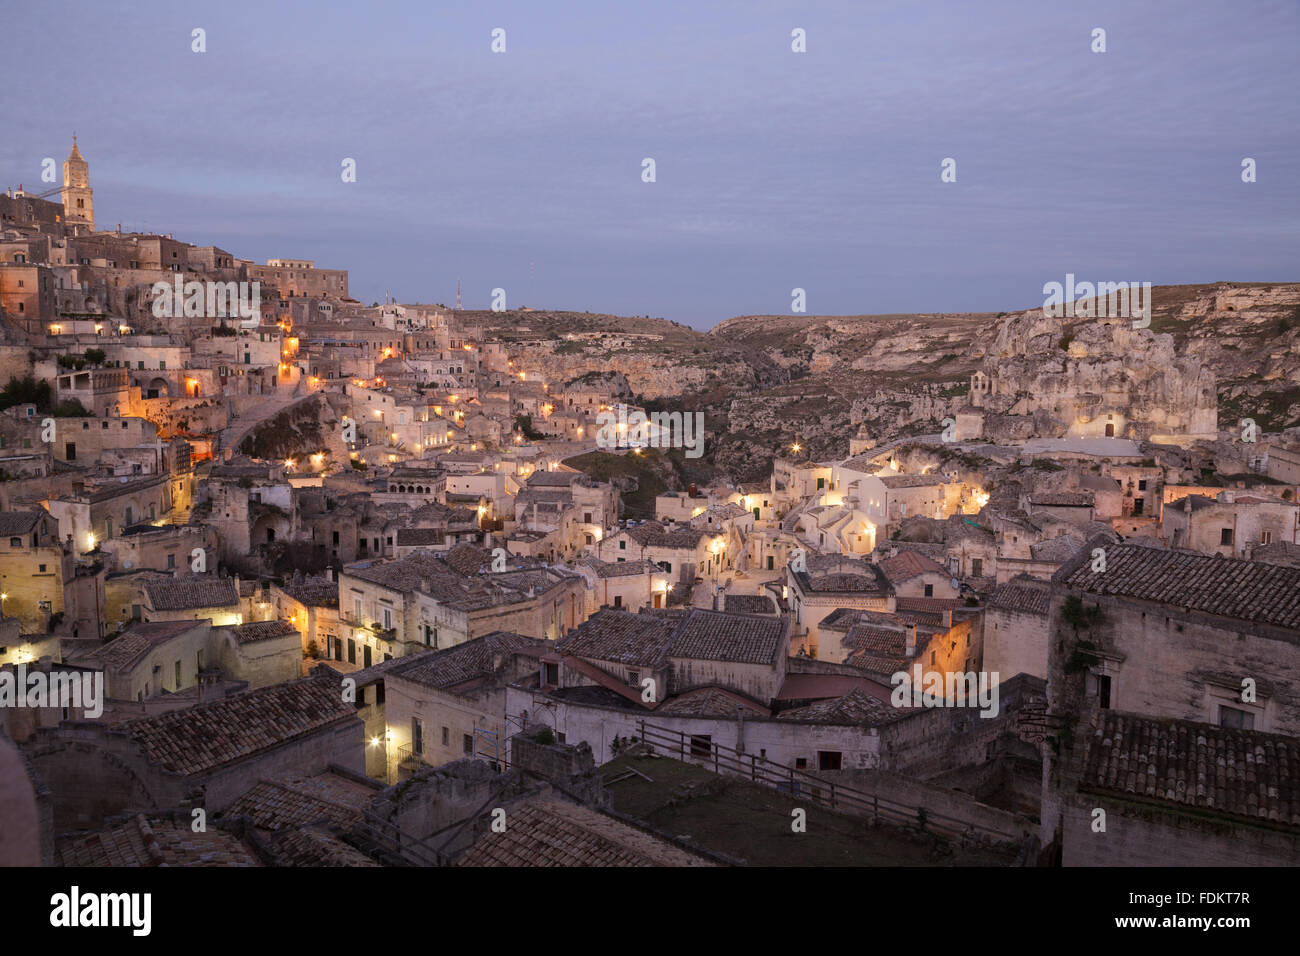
{"type": "Point", "coordinates": [645, 374]}
{"type": "Point", "coordinates": [1101, 378]}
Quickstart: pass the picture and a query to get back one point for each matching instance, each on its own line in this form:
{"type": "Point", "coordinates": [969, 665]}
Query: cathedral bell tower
{"type": "Point", "coordinates": [78, 197]}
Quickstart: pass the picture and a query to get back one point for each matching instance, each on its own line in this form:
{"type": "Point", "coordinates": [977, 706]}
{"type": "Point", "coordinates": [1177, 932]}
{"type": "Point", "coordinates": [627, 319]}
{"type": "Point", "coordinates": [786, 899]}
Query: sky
{"type": "Point", "coordinates": [774, 170]}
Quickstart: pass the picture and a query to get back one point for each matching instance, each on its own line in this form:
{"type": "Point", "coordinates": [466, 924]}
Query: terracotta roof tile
{"type": "Point", "coordinates": [1244, 590]}
{"type": "Point", "coordinates": [1243, 773]}
{"type": "Point", "coordinates": [210, 735]}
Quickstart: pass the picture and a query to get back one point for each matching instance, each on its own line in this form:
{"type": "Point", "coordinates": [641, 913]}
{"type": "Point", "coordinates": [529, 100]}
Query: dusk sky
{"type": "Point", "coordinates": [775, 169]}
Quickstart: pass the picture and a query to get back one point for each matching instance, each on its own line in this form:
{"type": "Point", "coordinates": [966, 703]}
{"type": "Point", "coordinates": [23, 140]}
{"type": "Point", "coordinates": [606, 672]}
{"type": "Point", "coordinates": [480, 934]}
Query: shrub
{"type": "Point", "coordinates": [71, 409]}
{"type": "Point", "coordinates": [27, 391]}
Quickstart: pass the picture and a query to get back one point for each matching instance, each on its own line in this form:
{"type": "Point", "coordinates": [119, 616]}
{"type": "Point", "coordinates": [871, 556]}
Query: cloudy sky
{"type": "Point", "coordinates": [774, 169]}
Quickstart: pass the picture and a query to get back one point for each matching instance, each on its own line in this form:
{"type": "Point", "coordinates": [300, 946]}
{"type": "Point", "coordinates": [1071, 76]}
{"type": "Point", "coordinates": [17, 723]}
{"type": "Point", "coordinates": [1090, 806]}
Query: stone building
{"type": "Point", "coordinates": [448, 704]}
{"type": "Point", "coordinates": [1016, 628]}
{"type": "Point", "coordinates": [1178, 635]}
{"type": "Point", "coordinates": [204, 755]}
{"type": "Point", "coordinates": [37, 570]}
{"type": "Point", "coordinates": [1231, 524]}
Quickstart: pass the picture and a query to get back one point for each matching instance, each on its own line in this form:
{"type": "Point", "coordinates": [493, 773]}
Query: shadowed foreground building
{"type": "Point", "coordinates": [1174, 692]}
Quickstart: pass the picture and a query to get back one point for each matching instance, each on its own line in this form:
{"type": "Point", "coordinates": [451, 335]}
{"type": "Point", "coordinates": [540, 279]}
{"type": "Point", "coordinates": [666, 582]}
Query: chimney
{"type": "Point", "coordinates": [911, 640]}
{"type": "Point", "coordinates": [1187, 505]}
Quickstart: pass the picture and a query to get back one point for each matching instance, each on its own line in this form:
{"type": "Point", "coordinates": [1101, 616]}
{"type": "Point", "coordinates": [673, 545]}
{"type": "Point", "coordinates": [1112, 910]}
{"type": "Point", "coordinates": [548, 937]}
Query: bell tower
{"type": "Point", "coordinates": [78, 197]}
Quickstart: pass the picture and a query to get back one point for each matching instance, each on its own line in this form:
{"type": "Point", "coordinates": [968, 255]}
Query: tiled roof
{"type": "Point", "coordinates": [855, 707]}
{"type": "Point", "coordinates": [718, 636]}
{"type": "Point", "coordinates": [468, 559]}
{"type": "Point", "coordinates": [130, 647]}
{"type": "Point", "coordinates": [188, 593]}
{"type": "Point", "coordinates": [909, 564]}
{"type": "Point", "coordinates": [930, 607]}
{"type": "Point", "coordinates": [646, 640]}
{"type": "Point", "coordinates": [465, 662]}
{"type": "Point", "coordinates": [749, 604]}
{"type": "Point", "coordinates": [282, 805]}
{"type": "Point", "coordinates": [1059, 549]}
{"type": "Point", "coordinates": [315, 846]}
{"type": "Point", "coordinates": [315, 593]}
{"type": "Point", "coordinates": [709, 702]}
{"type": "Point", "coordinates": [620, 569]}
{"type": "Point", "coordinates": [843, 583]}
{"type": "Point", "coordinates": [263, 631]}
{"type": "Point", "coordinates": [211, 735]}
{"type": "Point", "coordinates": [1024, 594]}
{"type": "Point", "coordinates": [652, 534]}
{"type": "Point", "coordinates": [1242, 773]}
{"type": "Point", "coordinates": [1243, 590]}
{"type": "Point", "coordinates": [620, 637]}
{"type": "Point", "coordinates": [416, 537]}
{"type": "Point", "coordinates": [549, 832]}
{"type": "Point", "coordinates": [160, 841]}
{"type": "Point", "coordinates": [19, 522]}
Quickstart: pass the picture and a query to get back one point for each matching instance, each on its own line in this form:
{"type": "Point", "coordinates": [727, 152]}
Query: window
{"type": "Point", "coordinates": [800, 763]}
{"type": "Point", "coordinates": [468, 742]}
{"type": "Point", "coordinates": [701, 745]}
{"type": "Point", "coordinates": [618, 600]}
{"type": "Point", "coordinates": [446, 737]}
{"type": "Point", "coordinates": [1225, 537]}
{"type": "Point", "coordinates": [1142, 484]}
{"type": "Point", "coordinates": [15, 542]}
{"type": "Point", "coordinates": [1139, 505]}
{"type": "Point", "coordinates": [352, 651]}
{"type": "Point", "coordinates": [1236, 718]}
{"type": "Point", "coordinates": [417, 736]}
{"type": "Point", "coordinates": [622, 546]}
{"type": "Point", "coordinates": [829, 759]}
{"type": "Point", "coordinates": [178, 675]}
{"type": "Point", "coordinates": [929, 590]}
{"type": "Point", "coordinates": [388, 619]}
{"type": "Point", "coordinates": [1099, 687]}
{"type": "Point", "coordinates": [1266, 537]}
